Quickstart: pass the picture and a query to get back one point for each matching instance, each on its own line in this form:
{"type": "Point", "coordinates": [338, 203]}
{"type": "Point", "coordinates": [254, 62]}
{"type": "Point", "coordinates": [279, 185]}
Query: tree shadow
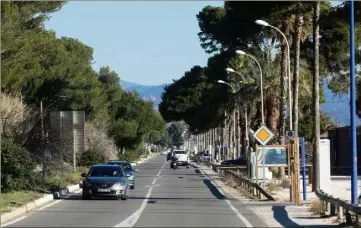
{"type": "Point", "coordinates": [281, 216]}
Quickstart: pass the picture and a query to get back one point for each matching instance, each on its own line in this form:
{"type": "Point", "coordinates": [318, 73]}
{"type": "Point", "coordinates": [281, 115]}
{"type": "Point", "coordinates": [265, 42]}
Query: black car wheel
{"type": "Point", "coordinates": [132, 187]}
{"type": "Point", "coordinates": [124, 197]}
{"type": "Point", "coordinates": [85, 196]}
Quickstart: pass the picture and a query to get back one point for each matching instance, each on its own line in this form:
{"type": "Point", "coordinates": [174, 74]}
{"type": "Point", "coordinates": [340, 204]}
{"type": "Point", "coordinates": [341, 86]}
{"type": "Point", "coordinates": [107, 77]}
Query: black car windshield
{"type": "Point", "coordinates": [106, 171]}
{"type": "Point", "coordinates": [125, 165]}
{"type": "Point", "coordinates": [180, 152]}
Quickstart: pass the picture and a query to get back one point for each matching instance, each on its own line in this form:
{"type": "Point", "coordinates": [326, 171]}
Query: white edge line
{"type": "Point", "coordinates": [233, 208]}
{"type": "Point", "coordinates": [39, 209]}
{"type": "Point", "coordinates": [14, 221]}
{"type": "Point", "coordinates": [58, 201]}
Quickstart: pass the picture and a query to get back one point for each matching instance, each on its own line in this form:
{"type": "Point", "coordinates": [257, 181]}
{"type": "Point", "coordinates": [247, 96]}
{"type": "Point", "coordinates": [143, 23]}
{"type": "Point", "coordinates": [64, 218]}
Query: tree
{"type": "Point", "coordinates": [175, 132]}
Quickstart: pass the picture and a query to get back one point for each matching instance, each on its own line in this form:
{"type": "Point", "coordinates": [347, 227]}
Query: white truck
{"type": "Point", "coordinates": [183, 157]}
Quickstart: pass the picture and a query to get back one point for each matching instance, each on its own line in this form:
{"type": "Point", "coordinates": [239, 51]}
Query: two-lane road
{"type": "Point", "coordinates": [163, 197]}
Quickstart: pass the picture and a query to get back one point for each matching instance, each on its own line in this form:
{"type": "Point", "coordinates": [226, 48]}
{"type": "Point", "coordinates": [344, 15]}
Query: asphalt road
{"type": "Point", "coordinates": [163, 197]}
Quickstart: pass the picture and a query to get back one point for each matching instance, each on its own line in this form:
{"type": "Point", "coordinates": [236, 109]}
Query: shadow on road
{"type": "Point", "coordinates": [281, 216]}
{"type": "Point", "coordinates": [214, 190]}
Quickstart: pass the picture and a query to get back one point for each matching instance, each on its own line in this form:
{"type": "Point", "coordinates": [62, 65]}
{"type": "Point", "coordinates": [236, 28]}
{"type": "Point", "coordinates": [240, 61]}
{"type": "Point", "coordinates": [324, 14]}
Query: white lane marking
{"type": "Point", "coordinates": [41, 208]}
{"type": "Point", "coordinates": [148, 186]}
{"type": "Point", "coordinates": [133, 218]}
{"type": "Point", "coordinates": [233, 208]}
{"type": "Point", "coordinates": [58, 201]}
{"type": "Point", "coordinates": [14, 221]}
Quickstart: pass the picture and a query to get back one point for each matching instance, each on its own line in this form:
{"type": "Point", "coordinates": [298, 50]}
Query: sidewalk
{"type": "Point", "coordinates": [275, 214]}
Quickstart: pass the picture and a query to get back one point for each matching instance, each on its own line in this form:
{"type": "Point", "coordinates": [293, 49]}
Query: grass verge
{"type": "Point", "coordinates": [54, 181]}
{"type": "Point", "coordinates": [10, 200]}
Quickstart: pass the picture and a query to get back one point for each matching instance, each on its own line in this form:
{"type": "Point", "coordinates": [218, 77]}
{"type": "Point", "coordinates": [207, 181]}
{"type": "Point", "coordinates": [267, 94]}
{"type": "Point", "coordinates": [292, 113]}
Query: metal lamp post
{"type": "Point", "coordinates": [263, 23]}
{"type": "Point", "coordinates": [260, 69]}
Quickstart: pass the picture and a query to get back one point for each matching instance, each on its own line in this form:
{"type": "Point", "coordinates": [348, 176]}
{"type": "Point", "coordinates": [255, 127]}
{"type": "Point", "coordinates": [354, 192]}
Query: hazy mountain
{"type": "Point", "coordinates": [148, 92]}
{"type": "Point", "coordinates": [336, 106]}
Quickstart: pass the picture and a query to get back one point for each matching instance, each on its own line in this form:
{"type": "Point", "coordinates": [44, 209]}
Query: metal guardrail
{"type": "Point", "coordinates": [336, 206]}
{"type": "Point", "coordinates": [245, 182]}
{"type": "Point", "coordinates": [251, 186]}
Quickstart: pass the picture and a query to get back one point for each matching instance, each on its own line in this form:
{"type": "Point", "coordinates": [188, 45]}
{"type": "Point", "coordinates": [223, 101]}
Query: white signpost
{"type": "Point", "coordinates": [263, 135]}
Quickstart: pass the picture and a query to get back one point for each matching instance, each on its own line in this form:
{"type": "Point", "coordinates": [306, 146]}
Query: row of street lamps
{"type": "Point", "coordinates": [240, 52]}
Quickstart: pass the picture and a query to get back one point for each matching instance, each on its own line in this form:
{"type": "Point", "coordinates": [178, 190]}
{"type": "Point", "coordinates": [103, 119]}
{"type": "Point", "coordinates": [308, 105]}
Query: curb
{"type": "Point", "coordinates": [15, 212]}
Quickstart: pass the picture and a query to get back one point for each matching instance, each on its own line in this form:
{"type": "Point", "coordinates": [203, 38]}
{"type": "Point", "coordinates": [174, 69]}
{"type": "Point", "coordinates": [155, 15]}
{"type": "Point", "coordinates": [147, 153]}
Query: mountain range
{"type": "Point", "coordinates": [336, 106]}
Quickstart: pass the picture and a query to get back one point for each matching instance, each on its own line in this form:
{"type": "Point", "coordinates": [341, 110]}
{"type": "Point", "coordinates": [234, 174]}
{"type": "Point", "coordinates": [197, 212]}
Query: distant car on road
{"type": "Point", "coordinates": [241, 160]}
{"type": "Point", "coordinates": [205, 156]}
{"type": "Point", "coordinates": [105, 181]}
{"type": "Point", "coordinates": [197, 156]}
{"type": "Point", "coordinates": [128, 169]}
{"type": "Point", "coordinates": [183, 157]}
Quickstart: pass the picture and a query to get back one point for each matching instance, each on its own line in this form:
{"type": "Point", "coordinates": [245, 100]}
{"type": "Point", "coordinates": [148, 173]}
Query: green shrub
{"type": "Point", "coordinates": [17, 167]}
{"type": "Point", "coordinates": [130, 156]}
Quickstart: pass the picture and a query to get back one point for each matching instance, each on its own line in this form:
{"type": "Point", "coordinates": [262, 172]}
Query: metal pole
{"type": "Point", "coordinates": [246, 122]}
{"type": "Point", "coordinates": [353, 106]}
{"type": "Point", "coordinates": [234, 134]}
{"type": "Point", "coordinates": [42, 140]}
{"type": "Point", "coordinates": [224, 149]}
{"type": "Point", "coordinates": [264, 167]}
{"type": "Point", "coordinates": [303, 154]}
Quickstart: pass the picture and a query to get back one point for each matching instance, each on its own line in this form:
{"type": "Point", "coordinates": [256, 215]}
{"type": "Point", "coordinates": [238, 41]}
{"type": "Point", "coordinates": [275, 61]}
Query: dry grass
{"type": "Point", "coordinates": [11, 107]}
{"type": "Point", "coordinates": [272, 187]}
{"type": "Point", "coordinates": [96, 139]}
{"type": "Point", "coordinates": [16, 199]}
{"type": "Point", "coordinates": [317, 207]}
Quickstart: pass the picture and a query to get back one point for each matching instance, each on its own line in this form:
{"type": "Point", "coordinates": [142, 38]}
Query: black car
{"type": "Point", "coordinates": [105, 181]}
{"type": "Point", "coordinates": [238, 161]}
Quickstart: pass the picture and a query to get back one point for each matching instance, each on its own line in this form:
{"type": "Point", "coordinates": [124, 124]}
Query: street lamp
{"type": "Point", "coordinates": [263, 23]}
{"type": "Point", "coordinates": [260, 69]}
{"type": "Point", "coordinates": [223, 82]}
{"type": "Point", "coordinates": [230, 70]}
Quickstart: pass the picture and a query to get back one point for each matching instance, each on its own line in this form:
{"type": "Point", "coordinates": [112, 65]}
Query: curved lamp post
{"type": "Point", "coordinates": [263, 23]}
{"type": "Point", "coordinates": [261, 77]}
{"type": "Point", "coordinates": [230, 70]}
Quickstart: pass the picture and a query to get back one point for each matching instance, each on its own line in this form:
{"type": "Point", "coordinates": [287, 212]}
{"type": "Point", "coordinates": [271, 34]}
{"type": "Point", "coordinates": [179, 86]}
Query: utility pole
{"type": "Point", "coordinates": [234, 134]}
{"type": "Point", "coordinates": [42, 143]}
{"type": "Point", "coordinates": [316, 98]}
{"type": "Point", "coordinates": [354, 187]}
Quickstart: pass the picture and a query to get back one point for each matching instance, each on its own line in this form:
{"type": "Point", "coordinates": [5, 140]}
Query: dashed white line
{"type": "Point", "coordinates": [133, 218]}
{"type": "Point", "coordinates": [233, 208]}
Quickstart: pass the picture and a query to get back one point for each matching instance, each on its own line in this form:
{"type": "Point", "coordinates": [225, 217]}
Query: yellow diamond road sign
{"type": "Point", "coordinates": [263, 135]}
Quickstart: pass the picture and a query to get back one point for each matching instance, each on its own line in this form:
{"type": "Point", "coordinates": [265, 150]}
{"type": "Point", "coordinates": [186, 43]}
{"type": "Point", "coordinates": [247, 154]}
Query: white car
{"type": "Point", "coordinates": [183, 157]}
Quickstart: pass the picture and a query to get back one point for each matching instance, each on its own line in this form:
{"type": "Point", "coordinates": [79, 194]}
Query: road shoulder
{"type": "Point", "coordinates": [272, 214]}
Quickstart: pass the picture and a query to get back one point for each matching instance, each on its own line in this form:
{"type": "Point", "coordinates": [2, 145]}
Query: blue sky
{"type": "Point", "coordinates": [150, 43]}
